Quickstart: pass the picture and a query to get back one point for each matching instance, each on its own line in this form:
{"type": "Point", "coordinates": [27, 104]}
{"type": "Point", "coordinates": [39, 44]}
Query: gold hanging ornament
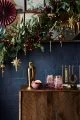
{"type": "Point", "coordinates": [71, 22]}
{"type": "Point", "coordinates": [16, 63]}
{"type": "Point", "coordinates": [2, 66]}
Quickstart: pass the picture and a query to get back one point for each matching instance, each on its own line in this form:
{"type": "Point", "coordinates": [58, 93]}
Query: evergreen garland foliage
{"type": "Point", "coordinates": [29, 35]}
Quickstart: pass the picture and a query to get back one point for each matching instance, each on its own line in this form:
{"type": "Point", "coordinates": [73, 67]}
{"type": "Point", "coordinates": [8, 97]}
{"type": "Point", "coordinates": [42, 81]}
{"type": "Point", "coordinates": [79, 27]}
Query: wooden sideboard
{"type": "Point", "coordinates": [49, 104]}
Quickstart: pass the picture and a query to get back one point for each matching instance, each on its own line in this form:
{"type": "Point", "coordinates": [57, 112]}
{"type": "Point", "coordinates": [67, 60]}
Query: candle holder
{"type": "Point", "coordinates": [29, 80]}
{"type": "Point", "coordinates": [31, 75]}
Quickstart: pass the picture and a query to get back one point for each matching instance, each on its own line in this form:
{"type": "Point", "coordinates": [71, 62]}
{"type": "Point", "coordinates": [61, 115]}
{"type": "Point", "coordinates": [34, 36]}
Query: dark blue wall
{"type": "Point", "coordinates": [45, 63]}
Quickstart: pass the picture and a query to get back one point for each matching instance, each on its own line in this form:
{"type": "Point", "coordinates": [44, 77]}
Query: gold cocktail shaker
{"type": "Point", "coordinates": [31, 74]}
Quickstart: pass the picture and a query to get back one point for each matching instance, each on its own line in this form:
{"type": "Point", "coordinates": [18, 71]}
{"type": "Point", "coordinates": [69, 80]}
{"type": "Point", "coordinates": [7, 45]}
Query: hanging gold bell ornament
{"type": "Point", "coordinates": [61, 38]}
{"type": "Point", "coordinates": [2, 66]}
{"type": "Point", "coordinates": [16, 63]}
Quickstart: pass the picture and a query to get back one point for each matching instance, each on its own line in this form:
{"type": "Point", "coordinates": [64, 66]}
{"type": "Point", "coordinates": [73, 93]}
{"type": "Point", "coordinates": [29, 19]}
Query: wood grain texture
{"type": "Point", "coordinates": [50, 105]}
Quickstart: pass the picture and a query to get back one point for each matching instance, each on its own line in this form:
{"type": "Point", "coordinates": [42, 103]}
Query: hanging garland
{"type": "Point", "coordinates": [27, 37]}
{"type": "Point", "coordinates": [13, 39]}
{"type": "Point", "coordinates": [17, 38]}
